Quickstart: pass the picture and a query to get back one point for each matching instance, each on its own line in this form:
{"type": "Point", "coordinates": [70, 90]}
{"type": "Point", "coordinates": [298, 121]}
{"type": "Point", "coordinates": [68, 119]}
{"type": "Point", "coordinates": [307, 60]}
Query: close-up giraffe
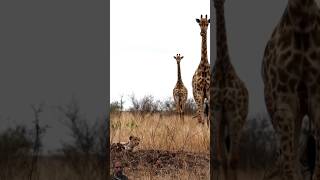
{"type": "Point", "coordinates": [201, 77]}
{"type": "Point", "coordinates": [230, 99]}
{"type": "Point", "coordinates": [291, 76]}
{"type": "Point", "coordinates": [180, 92]}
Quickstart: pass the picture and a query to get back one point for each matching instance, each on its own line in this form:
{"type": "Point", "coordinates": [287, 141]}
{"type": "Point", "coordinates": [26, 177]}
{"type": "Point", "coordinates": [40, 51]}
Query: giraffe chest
{"type": "Point", "coordinates": [202, 76]}
{"type": "Point", "coordinates": [180, 88]}
{"type": "Point", "coordinates": [201, 82]}
{"type": "Point", "coordinates": [292, 56]}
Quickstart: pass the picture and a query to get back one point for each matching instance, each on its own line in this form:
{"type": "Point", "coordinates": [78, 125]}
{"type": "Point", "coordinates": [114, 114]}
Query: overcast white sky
{"type": "Point", "coordinates": [146, 34]}
{"type": "Point", "coordinates": [144, 37]}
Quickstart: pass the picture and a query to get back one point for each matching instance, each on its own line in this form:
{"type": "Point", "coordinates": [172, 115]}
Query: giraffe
{"type": "Point", "coordinates": [291, 76]}
{"type": "Point", "coordinates": [180, 92]}
{"type": "Point", "coordinates": [201, 77]}
{"type": "Point", "coordinates": [230, 99]}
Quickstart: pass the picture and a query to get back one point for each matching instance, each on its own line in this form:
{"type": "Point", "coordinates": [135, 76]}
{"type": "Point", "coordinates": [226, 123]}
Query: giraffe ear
{"type": "Point", "coordinates": [181, 57]}
{"type": "Point", "coordinates": [209, 21]}
{"type": "Point", "coordinates": [198, 20]}
{"type": "Point", "coordinates": [174, 57]}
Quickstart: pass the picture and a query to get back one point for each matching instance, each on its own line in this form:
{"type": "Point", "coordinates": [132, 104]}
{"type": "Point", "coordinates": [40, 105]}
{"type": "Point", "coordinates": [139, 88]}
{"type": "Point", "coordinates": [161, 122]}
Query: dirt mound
{"type": "Point", "coordinates": [161, 160]}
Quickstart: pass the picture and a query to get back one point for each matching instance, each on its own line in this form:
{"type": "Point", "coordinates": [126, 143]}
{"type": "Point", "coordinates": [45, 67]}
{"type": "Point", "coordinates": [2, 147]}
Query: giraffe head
{"type": "Point", "coordinates": [178, 58]}
{"type": "Point", "coordinates": [203, 23]}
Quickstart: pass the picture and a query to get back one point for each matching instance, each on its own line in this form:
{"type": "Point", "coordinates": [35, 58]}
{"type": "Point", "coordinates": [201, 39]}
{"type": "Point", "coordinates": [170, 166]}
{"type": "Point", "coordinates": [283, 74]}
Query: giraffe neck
{"type": "Point", "coordinates": [302, 14]}
{"type": "Point", "coordinates": [301, 3]}
{"type": "Point", "coordinates": [222, 46]}
{"type": "Point", "coordinates": [301, 8]}
{"type": "Point", "coordinates": [179, 73]}
{"type": "Point", "coordinates": [204, 55]}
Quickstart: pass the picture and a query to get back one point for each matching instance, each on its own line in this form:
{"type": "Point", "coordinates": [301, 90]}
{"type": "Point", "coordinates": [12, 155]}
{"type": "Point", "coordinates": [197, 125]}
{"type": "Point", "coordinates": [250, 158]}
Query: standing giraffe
{"type": "Point", "coordinates": [180, 92]}
{"type": "Point", "coordinates": [201, 78]}
{"type": "Point", "coordinates": [230, 99]}
{"type": "Point", "coordinates": [291, 76]}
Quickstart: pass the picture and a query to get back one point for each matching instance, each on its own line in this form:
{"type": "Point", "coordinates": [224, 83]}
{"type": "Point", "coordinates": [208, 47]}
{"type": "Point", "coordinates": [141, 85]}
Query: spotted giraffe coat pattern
{"type": "Point", "coordinates": [180, 92]}
{"type": "Point", "coordinates": [291, 76]}
{"type": "Point", "coordinates": [230, 100]}
{"type": "Point", "coordinates": [201, 77]}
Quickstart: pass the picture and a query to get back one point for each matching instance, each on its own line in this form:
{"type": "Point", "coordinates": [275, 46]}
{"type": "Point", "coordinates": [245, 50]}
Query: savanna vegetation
{"type": "Point", "coordinates": [83, 158]}
{"type": "Point", "coordinates": [160, 129]}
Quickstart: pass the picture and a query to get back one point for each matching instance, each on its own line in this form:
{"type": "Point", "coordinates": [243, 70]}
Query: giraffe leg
{"type": "Point", "coordinates": [208, 104]}
{"type": "Point", "coordinates": [297, 133]}
{"type": "Point", "coordinates": [315, 117]}
{"type": "Point", "coordinates": [273, 172]}
{"type": "Point", "coordinates": [235, 128]}
{"type": "Point", "coordinates": [284, 118]}
{"type": "Point", "coordinates": [221, 146]}
{"type": "Point", "coordinates": [199, 101]}
{"type": "Point", "coordinates": [177, 102]}
{"type": "Point", "coordinates": [181, 112]}
{"type": "Point", "coordinates": [215, 164]}
{"type": "Point", "coordinates": [180, 107]}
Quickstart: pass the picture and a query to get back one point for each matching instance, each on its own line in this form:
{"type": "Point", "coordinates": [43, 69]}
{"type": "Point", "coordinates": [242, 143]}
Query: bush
{"type": "Point", "coordinates": [258, 143]}
{"type": "Point", "coordinates": [190, 107]}
{"type": "Point", "coordinates": [148, 105]}
{"type": "Point", "coordinates": [15, 150]}
{"type": "Point", "coordinates": [86, 153]}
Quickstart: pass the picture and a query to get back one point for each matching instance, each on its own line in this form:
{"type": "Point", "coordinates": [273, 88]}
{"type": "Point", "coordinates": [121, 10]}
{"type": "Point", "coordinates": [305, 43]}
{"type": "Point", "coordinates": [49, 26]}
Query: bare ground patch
{"type": "Point", "coordinates": [164, 164]}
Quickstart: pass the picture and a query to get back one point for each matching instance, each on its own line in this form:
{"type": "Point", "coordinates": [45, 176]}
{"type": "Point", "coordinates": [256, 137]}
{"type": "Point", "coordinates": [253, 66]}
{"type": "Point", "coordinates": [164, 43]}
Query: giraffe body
{"type": "Point", "coordinates": [291, 75]}
{"type": "Point", "coordinates": [230, 100]}
{"type": "Point", "coordinates": [180, 92]}
{"type": "Point", "coordinates": [201, 77]}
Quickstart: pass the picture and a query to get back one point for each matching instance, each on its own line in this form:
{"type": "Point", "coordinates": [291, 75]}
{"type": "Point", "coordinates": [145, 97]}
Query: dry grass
{"type": "Point", "coordinates": [187, 175]}
{"type": "Point", "coordinates": [180, 174]}
{"type": "Point", "coordinates": [161, 132]}
{"type": "Point", "coordinates": [54, 168]}
{"type": "Point", "coordinates": [168, 133]}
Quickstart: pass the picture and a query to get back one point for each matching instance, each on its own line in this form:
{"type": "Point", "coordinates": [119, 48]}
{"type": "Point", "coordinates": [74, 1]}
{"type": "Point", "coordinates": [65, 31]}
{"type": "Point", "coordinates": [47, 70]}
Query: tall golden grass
{"type": "Point", "coordinates": [52, 168]}
{"type": "Point", "coordinates": [202, 174]}
{"type": "Point", "coordinates": [168, 132]}
{"type": "Point", "coordinates": [187, 175]}
{"type": "Point", "coordinates": [161, 132]}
